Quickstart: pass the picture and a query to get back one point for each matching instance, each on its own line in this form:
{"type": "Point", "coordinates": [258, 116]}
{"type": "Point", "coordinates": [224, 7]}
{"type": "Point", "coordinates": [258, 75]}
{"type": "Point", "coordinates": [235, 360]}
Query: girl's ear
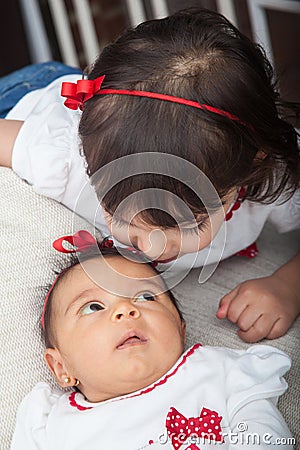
{"type": "Point", "coordinates": [56, 365]}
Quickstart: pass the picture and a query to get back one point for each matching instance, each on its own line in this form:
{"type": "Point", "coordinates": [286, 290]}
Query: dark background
{"type": "Point", "coordinates": [111, 18]}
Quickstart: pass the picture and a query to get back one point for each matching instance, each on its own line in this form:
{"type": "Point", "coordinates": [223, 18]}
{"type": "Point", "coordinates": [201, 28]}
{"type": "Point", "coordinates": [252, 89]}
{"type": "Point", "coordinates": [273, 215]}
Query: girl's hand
{"type": "Point", "coordinates": [262, 308]}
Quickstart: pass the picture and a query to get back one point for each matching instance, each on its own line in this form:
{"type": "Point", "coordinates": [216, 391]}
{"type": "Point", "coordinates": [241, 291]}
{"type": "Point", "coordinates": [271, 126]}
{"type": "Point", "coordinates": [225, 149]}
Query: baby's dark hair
{"type": "Point", "coordinates": [199, 55]}
{"type": "Point", "coordinates": [48, 329]}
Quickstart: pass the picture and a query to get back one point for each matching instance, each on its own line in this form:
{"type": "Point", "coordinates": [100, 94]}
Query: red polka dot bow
{"type": "Point", "coordinates": [78, 93]}
{"type": "Point", "coordinates": [180, 428]}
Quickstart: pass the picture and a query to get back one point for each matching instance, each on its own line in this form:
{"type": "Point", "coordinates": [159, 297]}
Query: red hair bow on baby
{"type": "Point", "coordinates": [78, 93]}
{"type": "Point", "coordinates": [82, 241]}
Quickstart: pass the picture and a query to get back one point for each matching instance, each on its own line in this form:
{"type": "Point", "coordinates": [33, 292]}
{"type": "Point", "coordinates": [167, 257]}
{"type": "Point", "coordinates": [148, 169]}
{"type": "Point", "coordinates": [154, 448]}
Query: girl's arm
{"type": "Point", "coordinates": [265, 307]}
{"type": "Point", "coordinates": [290, 274]}
{"type": "Point", "coordinates": [9, 130]}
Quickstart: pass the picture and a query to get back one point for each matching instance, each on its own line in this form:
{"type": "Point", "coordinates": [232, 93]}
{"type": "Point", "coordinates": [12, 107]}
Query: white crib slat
{"type": "Point", "coordinates": [160, 8]}
{"type": "Point", "coordinates": [39, 47]}
{"type": "Point", "coordinates": [63, 30]}
{"type": "Point", "coordinates": [226, 7]}
{"type": "Point", "coordinates": [136, 12]}
{"type": "Point", "coordinates": [259, 22]}
{"type": "Point", "coordinates": [87, 29]}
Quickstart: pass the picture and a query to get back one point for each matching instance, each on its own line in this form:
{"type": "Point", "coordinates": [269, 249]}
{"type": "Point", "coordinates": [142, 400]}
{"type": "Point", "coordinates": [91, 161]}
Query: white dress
{"type": "Point", "coordinates": [227, 396]}
{"type": "Point", "coordinates": [47, 155]}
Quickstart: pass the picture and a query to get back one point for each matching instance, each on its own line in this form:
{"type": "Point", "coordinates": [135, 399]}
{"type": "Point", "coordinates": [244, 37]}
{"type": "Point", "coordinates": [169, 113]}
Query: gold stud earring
{"type": "Point", "coordinates": [67, 380]}
{"type": "Point", "coordinates": [76, 383]}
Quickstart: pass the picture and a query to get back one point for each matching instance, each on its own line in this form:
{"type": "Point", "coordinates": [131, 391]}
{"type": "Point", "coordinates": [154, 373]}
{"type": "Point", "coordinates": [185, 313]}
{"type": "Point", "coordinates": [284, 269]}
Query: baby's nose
{"type": "Point", "coordinates": [125, 310]}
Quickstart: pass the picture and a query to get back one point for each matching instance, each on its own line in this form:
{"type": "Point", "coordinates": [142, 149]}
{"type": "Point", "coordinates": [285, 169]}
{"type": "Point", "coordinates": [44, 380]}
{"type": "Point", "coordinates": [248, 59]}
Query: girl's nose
{"type": "Point", "coordinates": [125, 309]}
{"type": "Point", "coordinates": [152, 244]}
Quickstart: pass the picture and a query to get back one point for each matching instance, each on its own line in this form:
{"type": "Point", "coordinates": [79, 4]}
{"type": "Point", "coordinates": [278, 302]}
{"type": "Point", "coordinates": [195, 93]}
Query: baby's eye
{"type": "Point", "coordinates": [145, 297]}
{"type": "Point", "coordinates": [90, 308]}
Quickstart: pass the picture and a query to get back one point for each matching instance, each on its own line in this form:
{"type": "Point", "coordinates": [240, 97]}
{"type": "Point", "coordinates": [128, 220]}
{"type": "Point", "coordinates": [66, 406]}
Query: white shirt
{"type": "Point", "coordinates": [230, 394]}
{"type": "Point", "coordinates": [47, 155]}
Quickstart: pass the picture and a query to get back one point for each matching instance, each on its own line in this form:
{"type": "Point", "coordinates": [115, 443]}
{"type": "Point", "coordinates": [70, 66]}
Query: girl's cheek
{"type": "Point", "coordinates": [194, 243]}
{"type": "Point", "coordinates": [121, 236]}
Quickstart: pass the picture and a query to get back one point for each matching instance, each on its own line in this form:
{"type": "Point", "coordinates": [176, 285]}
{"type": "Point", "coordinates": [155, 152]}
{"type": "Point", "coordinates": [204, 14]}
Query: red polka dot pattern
{"type": "Point", "coordinates": [180, 428]}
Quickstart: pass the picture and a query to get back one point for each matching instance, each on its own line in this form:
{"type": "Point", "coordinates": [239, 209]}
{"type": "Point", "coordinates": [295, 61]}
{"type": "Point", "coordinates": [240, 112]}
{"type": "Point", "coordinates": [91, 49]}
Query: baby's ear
{"type": "Point", "coordinates": [56, 365]}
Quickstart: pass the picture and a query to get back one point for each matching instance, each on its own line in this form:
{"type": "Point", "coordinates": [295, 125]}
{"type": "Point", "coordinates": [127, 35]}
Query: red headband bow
{"type": "Point", "coordinates": [82, 241]}
{"type": "Point", "coordinates": [78, 93]}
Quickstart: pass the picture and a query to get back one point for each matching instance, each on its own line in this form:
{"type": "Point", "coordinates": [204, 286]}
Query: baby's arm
{"type": "Point", "coordinates": [9, 130]}
{"type": "Point", "coordinates": [259, 425]}
{"type": "Point", "coordinates": [265, 307]}
{"type": "Point", "coordinates": [253, 383]}
{"type": "Point", "coordinates": [32, 419]}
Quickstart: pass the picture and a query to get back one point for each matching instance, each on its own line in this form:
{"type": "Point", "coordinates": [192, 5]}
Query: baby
{"type": "Point", "coordinates": [115, 335]}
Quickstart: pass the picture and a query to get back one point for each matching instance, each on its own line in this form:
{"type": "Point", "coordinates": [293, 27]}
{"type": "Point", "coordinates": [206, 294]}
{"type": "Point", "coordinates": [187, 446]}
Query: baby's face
{"type": "Point", "coordinates": [114, 344]}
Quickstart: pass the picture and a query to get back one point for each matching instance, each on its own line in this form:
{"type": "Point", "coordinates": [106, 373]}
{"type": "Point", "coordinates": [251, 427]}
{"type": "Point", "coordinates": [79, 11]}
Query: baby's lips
{"type": "Point", "coordinates": [131, 338]}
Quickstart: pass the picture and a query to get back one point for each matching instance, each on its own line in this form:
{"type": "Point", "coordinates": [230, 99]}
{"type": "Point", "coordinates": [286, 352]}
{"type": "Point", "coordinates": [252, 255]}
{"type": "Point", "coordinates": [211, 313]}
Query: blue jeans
{"type": "Point", "coordinates": [17, 84]}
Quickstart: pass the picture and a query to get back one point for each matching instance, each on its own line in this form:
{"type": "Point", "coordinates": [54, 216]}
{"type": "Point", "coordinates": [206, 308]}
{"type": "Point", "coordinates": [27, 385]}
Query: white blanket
{"type": "Point", "coordinates": [28, 225]}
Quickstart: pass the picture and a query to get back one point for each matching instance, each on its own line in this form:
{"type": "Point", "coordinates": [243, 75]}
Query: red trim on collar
{"type": "Point", "coordinates": [73, 402]}
{"type": "Point", "coordinates": [185, 356]}
{"type": "Point", "coordinates": [239, 200]}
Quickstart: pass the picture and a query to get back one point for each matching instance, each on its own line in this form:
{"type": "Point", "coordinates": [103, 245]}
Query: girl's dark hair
{"type": "Point", "coordinates": [48, 331]}
{"type": "Point", "coordinates": [196, 54]}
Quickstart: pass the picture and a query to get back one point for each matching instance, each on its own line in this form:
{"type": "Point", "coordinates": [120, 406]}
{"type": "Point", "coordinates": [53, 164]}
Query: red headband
{"type": "Point", "coordinates": [78, 93]}
{"type": "Point", "coordinates": [82, 241]}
